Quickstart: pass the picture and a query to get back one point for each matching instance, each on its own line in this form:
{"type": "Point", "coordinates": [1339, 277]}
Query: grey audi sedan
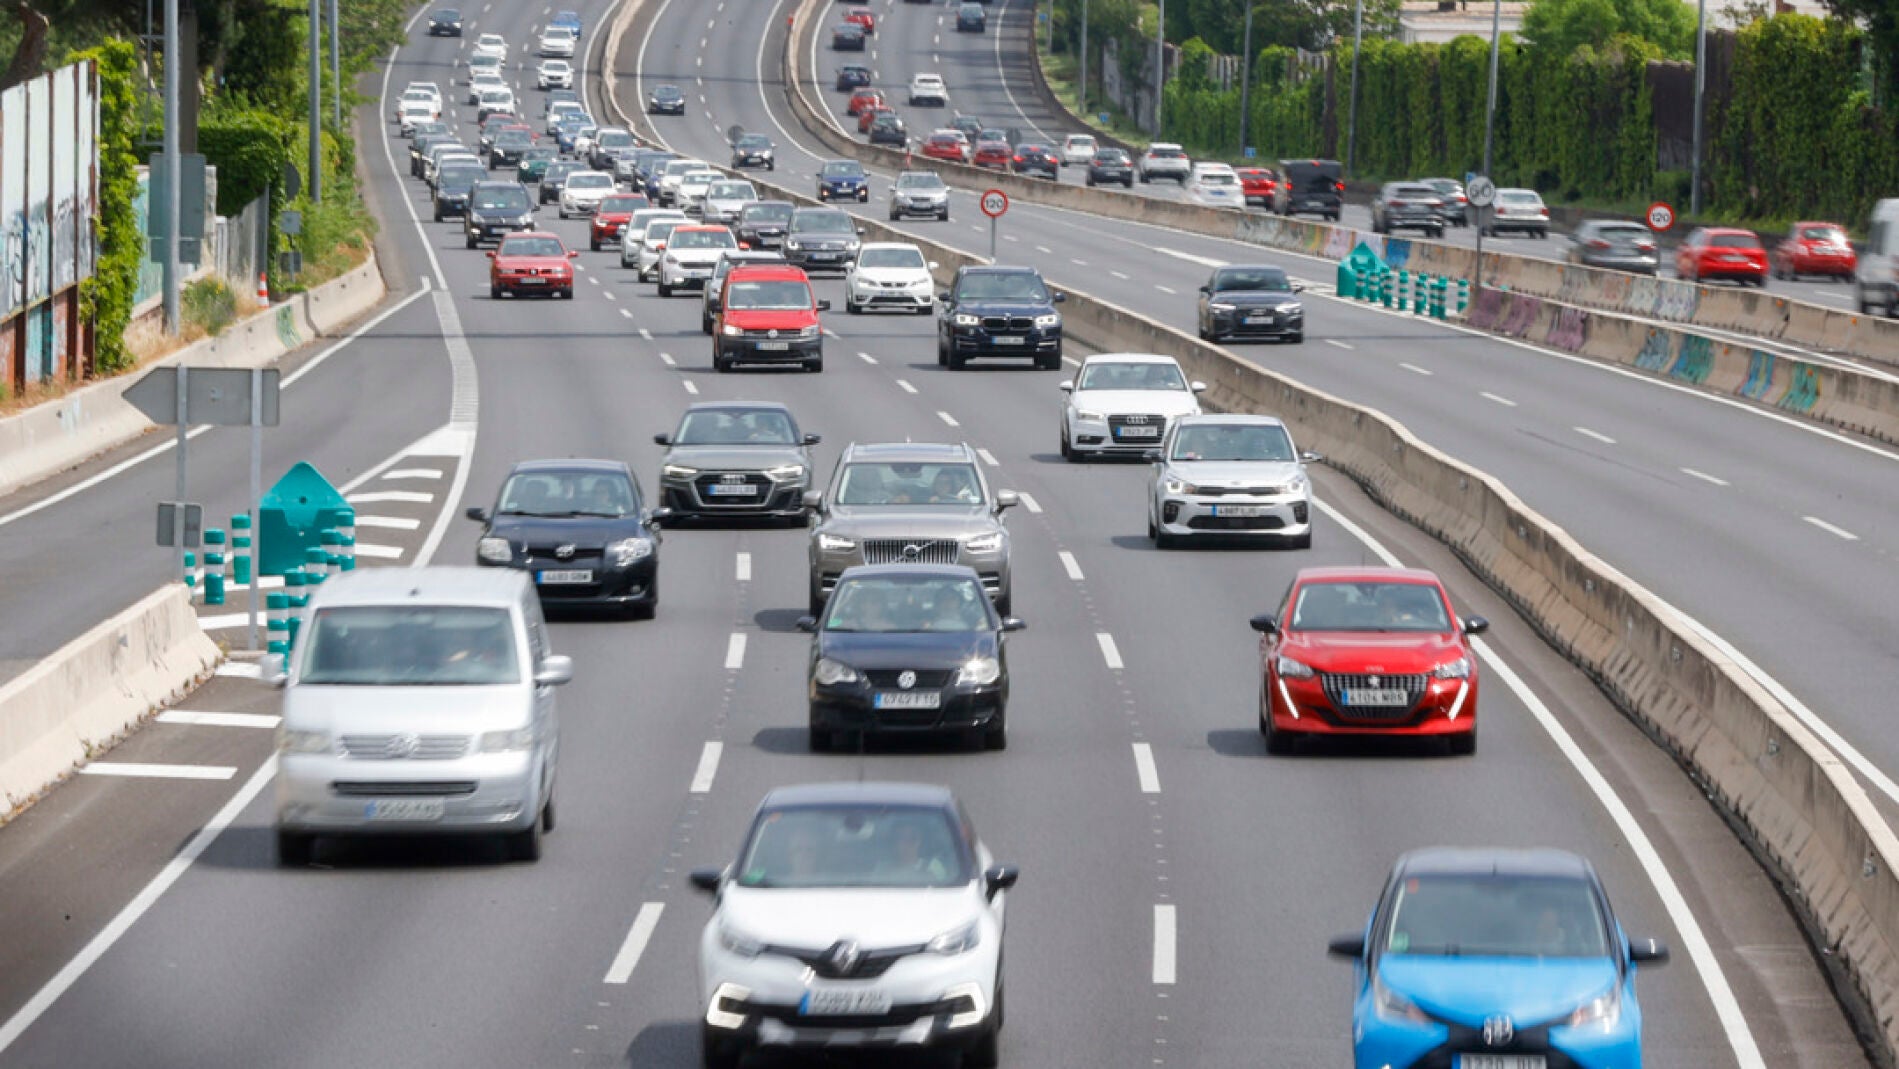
{"type": "Point", "coordinates": [909, 503]}
{"type": "Point", "coordinates": [736, 461]}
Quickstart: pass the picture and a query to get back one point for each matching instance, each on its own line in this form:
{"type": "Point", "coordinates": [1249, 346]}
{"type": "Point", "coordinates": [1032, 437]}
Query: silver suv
{"type": "Point", "coordinates": [909, 502]}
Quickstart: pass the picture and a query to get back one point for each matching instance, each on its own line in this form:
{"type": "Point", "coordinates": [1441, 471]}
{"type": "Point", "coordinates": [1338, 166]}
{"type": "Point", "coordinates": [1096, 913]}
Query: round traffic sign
{"type": "Point", "coordinates": [1660, 216]}
{"type": "Point", "coordinates": [1481, 192]}
{"type": "Point", "coordinates": [994, 202]}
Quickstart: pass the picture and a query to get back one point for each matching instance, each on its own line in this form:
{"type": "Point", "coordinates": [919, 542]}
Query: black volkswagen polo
{"type": "Point", "coordinates": [581, 529]}
{"type": "Point", "coordinates": [908, 648]}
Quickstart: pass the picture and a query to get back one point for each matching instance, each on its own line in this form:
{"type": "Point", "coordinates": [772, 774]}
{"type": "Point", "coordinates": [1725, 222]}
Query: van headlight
{"type": "Point", "coordinates": [495, 550]}
{"type": "Point", "coordinates": [979, 671]}
{"type": "Point", "coordinates": [508, 741]}
{"type": "Point", "coordinates": [808, 331]}
{"type": "Point", "coordinates": [829, 673]}
{"type": "Point", "coordinates": [628, 551]}
{"type": "Point", "coordinates": [960, 940]}
{"type": "Point", "coordinates": [304, 742]}
{"type": "Point", "coordinates": [741, 943]}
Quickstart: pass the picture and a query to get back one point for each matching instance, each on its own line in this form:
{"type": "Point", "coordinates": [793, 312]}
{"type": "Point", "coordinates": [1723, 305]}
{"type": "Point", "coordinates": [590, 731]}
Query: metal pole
{"type": "Point", "coordinates": [336, 69]}
{"type": "Point", "coordinates": [1351, 122]}
{"type": "Point", "coordinates": [173, 204]}
{"type": "Point", "coordinates": [257, 494]}
{"type": "Point", "coordinates": [1490, 129]}
{"type": "Point", "coordinates": [1701, 77]}
{"type": "Point", "coordinates": [1081, 94]}
{"type": "Point", "coordinates": [1160, 70]}
{"type": "Point", "coordinates": [316, 100]}
{"type": "Point", "coordinates": [992, 239]}
{"type": "Point", "coordinates": [1246, 78]}
{"type": "Point", "coordinates": [178, 514]}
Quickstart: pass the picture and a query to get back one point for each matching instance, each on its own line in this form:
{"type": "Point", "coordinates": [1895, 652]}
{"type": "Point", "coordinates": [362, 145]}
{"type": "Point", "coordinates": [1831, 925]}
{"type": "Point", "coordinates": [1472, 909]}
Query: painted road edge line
{"type": "Point", "coordinates": [635, 945]}
{"type": "Point", "coordinates": [220, 720]}
{"type": "Point", "coordinates": [140, 770]}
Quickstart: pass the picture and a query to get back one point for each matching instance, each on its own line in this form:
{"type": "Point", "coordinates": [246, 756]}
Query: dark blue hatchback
{"type": "Point", "coordinates": [843, 180]}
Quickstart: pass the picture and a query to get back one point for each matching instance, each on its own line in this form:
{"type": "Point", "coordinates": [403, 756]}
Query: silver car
{"type": "Point", "coordinates": [919, 193]}
{"type": "Point", "coordinates": [725, 200]}
{"type": "Point", "coordinates": [909, 502]}
{"type": "Point", "coordinates": [634, 233]}
{"type": "Point", "coordinates": [1229, 475]}
{"type": "Point", "coordinates": [420, 700]}
{"type": "Point", "coordinates": [1614, 244]}
{"type": "Point", "coordinates": [736, 460]}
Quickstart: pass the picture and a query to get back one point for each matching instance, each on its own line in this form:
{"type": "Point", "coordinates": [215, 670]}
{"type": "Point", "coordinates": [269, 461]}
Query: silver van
{"type": "Point", "coordinates": [416, 701]}
{"type": "Point", "coordinates": [1878, 287]}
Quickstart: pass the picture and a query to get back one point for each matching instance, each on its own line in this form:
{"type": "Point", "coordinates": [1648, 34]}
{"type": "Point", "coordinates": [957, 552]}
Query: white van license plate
{"type": "Point", "coordinates": [405, 809]}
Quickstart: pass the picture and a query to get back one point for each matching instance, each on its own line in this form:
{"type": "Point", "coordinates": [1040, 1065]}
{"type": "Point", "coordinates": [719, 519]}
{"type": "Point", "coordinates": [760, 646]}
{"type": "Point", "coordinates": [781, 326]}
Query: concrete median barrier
{"type": "Point", "coordinates": [65, 709]}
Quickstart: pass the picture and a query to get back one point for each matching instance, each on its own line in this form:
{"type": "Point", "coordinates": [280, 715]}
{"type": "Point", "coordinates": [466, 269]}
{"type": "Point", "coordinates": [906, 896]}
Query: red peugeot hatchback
{"type": "Point", "coordinates": [1367, 651]}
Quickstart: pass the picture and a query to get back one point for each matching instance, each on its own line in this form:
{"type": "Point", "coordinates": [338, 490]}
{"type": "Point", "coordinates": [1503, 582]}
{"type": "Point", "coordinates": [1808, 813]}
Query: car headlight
{"type": "Point", "coordinates": [984, 543]}
{"type": "Point", "coordinates": [1291, 669]}
{"type": "Point", "coordinates": [830, 543]}
{"type": "Point", "coordinates": [810, 331]}
{"type": "Point", "coordinates": [495, 550]}
{"type": "Point", "coordinates": [1053, 319]}
{"type": "Point", "coordinates": [957, 940]}
{"type": "Point", "coordinates": [979, 671]}
{"type": "Point", "coordinates": [1219, 306]}
{"type": "Point", "coordinates": [740, 943]}
{"type": "Point", "coordinates": [524, 220]}
{"type": "Point", "coordinates": [628, 550]}
{"type": "Point", "coordinates": [732, 331]}
{"type": "Point", "coordinates": [307, 742]}
{"type": "Point", "coordinates": [830, 673]}
{"type": "Point", "coordinates": [1458, 669]}
{"type": "Point", "coordinates": [1603, 1011]}
{"type": "Point", "coordinates": [1391, 1006]}
{"type": "Point", "coordinates": [508, 741]}
{"type": "Point", "coordinates": [1294, 309]}
{"type": "Point", "coordinates": [1091, 417]}
{"type": "Point", "coordinates": [963, 320]}
{"type": "Point", "coordinates": [786, 471]}
{"type": "Point", "coordinates": [1174, 484]}
{"type": "Point", "coordinates": [671, 259]}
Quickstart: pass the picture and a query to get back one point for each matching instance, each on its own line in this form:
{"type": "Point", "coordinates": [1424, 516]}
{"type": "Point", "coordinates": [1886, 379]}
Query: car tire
{"type": "Point", "coordinates": [1278, 743]}
{"type": "Point", "coordinates": [719, 363]}
{"type": "Point", "coordinates": [294, 849]}
{"type": "Point", "coordinates": [818, 740]}
{"type": "Point", "coordinates": [494, 292]}
{"type": "Point", "coordinates": [567, 294]}
{"type": "Point", "coordinates": [1091, 181]}
{"type": "Point", "coordinates": [1464, 745]}
{"type": "Point", "coordinates": [1299, 338]}
{"type": "Point", "coordinates": [525, 845]}
{"type": "Point", "coordinates": [1164, 540]}
{"type": "Point", "coordinates": [593, 244]}
{"type": "Point", "coordinates": [851, 307]}
{"type": "Point", "coordinates": [993, 738]}
{"type": "Point", "coordinates": [943, 216]}
{"type": "Point", "coordinates": [1437, 233]}
{"type": "Point", "coordinates": [716, 1051]}
{"type": "Point", "coordinates": [1068, 451]}
{"type": "Point", "coordinates": [469, 241]}
{"type": "Point", "coordinates": [664, 289]}
{"type": "Point", "coordinates": [863, 196]}
{"type": "Point", "coordinates": [942, 353]}
{"type": "Point", "coordinates": [548, 817]}
{"type": "Point", "coordinates": [438, 214]}
{"type": "Point", "coordinates": [957, 360]}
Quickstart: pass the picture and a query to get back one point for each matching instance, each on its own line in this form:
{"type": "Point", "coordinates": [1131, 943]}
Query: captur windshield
{"type": "Point", "coordinates": [568, 493]}
{"type": "Point", "coordinates": [736, 426]}
{"type": "Point", "coordinates": [1369, 606]}
{"type": "Point", "coordinates": [1496, 916]}
{"type": "Point", "coordinates": [854, 846]}
{"type": "Point", "coordinates": [892, 604]}
{"type": "Point", "coordinates": [1232, 441]}
{"type": "Point", "coordinates": [883, 483]}
{"type": "Point", "coordinates": [410, 645]}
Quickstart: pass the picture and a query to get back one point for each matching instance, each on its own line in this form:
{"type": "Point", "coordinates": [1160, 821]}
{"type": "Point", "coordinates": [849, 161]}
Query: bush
{"type": "Point", "coordinates": [210, 304]}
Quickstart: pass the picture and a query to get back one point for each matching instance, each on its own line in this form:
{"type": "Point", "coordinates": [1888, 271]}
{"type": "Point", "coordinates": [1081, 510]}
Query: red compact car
{"type": "Point", "coordinates": [614, 212]}
{"type": "Point", "coordinates": [994, 154]}
{"type": "Point", "coordinates": [767, 313]}
{"type": "Point", "coordinates": [866, 116]}
{"type": "Point", "coordinates": [1258, 184]}
{"type": "Point", "coordinates": [1714, 252]}
{"type": "Point", "coordinates": [948, 145]}
{"type": "Point", "coordinates": [863, 17]}
{"type": "Point", "coordinates": [1367, 651]}
{"type": "Point", "coordinates": [533, 261]}
{"type": "Point", "coordinates": [864, 98]}
{"type": "Point", "coordinates": [1815, 249]}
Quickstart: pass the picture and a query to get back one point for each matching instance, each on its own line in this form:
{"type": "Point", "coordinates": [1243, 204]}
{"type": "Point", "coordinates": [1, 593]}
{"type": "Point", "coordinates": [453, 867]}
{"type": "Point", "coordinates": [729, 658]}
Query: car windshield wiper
{"type": "Point", "coordinates": [593, 512]}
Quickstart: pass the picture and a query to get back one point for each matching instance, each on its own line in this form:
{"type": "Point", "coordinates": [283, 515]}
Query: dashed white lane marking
{"type": "Point", "coordinates": [1203, 261]}
{"type": "Point", "coordinates": [1704, 476]}
{"type": "Point", "coordinates": [219, 720]}
{"type": "Point", "coordinates": [829, 333]}
{"type": "Point", "coordinates": [372, 550]}
{"type": "Point", "coordinates": [867, 358]}
{"type": "Point", "coordinates": [1044, 249]}
{"type": "Point", "coordinates": [691, 387]}
{"type": "Point", "coordinates": [1109, 652]}
{"type": "Point", "coordinates": [593, 279]}
{"type": "Point", "coordinates": [627, 312]}
{"type": "Point", "coordinates": [1144, 768]}
{"type": "Point", "coordinates": [1117, 274]}
{"type": "Point", "coordinates": [1343, 345]}
{"type": "Point", "coordinates": [735, 652]}
{"type": "Point", "coordinates": [1504, 401]}
{"type": "Point", "coordinates": [645, 335]}
{"type": "Point", "coordinates": [635, 945]}
{"type": "Point", "coordinates": [988, 458]}
{"type": "Point", "coordinates": [413, 473]}
{"type": "Point", "coordinates": [1028, 502]}
{"type": "Point", "coordinates": [947, 418]}
{"type": "Point", "coordinates": [1839, 532]}
{"type": "Point", "coordinates": [388, 523]}
{"type": "Point", "coordinates": [743, 567]}
{"type": "Point", "coordinates": [1164, 937]}
{"type": "Point", "coordinates": [1071, 565]}
{"type": "Point", "coordinates": [667, 359]}
{"type": "Point", "coordinates": [1079, 263]}
{"type": "Point", "coordinates": [1010, 237]}
{"type": "Point", "coordinates": [976, 228]}
{"type": "Point", "coordinates": [1597, 435]}
{"type": "Point", "coordinates": [610, 296]}
{"type": "Point", "coordinates": [1416, 370]}
{"type": "Point", "coordinates": [906, 387]}
{"type": "Point", "coordinates": [708, 767]}
{"type": "Point", "coordinates": [1165, 289]}
{"type": "Point", "coordinates": [376, 497]}
{"type": "Point", "coordinates": [136, 770]}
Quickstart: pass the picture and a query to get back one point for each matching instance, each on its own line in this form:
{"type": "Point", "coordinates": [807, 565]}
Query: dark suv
{"type": "Point", "coordinates": [1312, 187]}
{"type": "Point", "coordinates": [495, 210]}
{"type": "Point", "coordinates": [999, 311]}
{"type": "Point", "coordinates": [453, 188]}
{"type": "Point", "coordinates": [509, 147]}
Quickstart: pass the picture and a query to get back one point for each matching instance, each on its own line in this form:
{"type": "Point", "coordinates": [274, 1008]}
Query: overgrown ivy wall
{"type": "Point", "coordinates": [106, 298]}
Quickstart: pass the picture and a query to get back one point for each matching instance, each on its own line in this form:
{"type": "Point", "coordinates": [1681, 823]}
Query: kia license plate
{"type": "Point", "coordinates": [733, 490]}
{"type": "Point", "coordinates": [1244, 512]}
{"type": "Point", "coordinates": [1373, 696]}
{"type": "Point", "coordinates": [844, 1002]}
{"type": "Point", "coordinates": [565, 577]}
{"type": "Point", "coordinates": [1137, 432]}
{"type": "Point", "coordinates": [404, 809]}
{"type": "Point", "coordinates": [908, 699]}
{"type": "Point", "coordinates": [1501, 1061]}
{"type": "Point", "coordinates": [1008, 339]}
{"type": "Point", "coordinates": [774, 346]}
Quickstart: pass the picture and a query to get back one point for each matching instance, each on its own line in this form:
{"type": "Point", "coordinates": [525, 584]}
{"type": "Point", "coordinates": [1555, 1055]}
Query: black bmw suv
{"type": "Point", "coordinates": [999, 311]}
{"type": "Point", "coordinates": [580, 529]}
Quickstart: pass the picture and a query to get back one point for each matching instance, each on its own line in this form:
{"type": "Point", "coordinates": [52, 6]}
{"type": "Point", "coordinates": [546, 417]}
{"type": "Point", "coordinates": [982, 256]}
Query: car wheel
{"type": "Point", "coordinates": [863, 196]}
{"type": "Point", "coordinates": [1068, 451]}
{"type": "Point", "coordinates": [1299, 338]}
{"type": "Point", "coordinates": [664, 289]}
{"type": "Point", "coordinates": [987, 1052]}
{"type": "Point", "coordinates": [567, 294]}
{"type": "Point", "coordinates": [957, 360]}
{"type": "Point", "coordinates": [814, 365]}
{"type": "Point", "coordinates": [717, 1051]}
{"type": "Point", "coordinates": [995, 737]}
{"type": "Point", "coordinates": [1091, 181]}
{"type": "Point", "coordinates": [719, 363]}
{"type": "Point", "coordinates": [814, 600]}
{"type": "Point", "coordinates": [469, 241]}
{"type": "Point", "coordinates": [294, 849]}
{"type": "Point", "coordinates": [851, 307]}
{"type": "Point", "coordinates": [1437, 232]}
{"type": "Point", "coordinates": [548, 816]}
{"type": "Point", "coordinates": [1464, 745]}
{"type": "Point", "coordinates": [1278, 743]}
{"type": "Point", "coordinates": [942, 354]}
{"type": "Point", "coordinates": [943, 216]}
{"type": "Point", "coordinates": [525, 845]}
{"type": "Point", "coordinates": [438, 215]}
{"type": "Point", "coordinates": [594, 244]}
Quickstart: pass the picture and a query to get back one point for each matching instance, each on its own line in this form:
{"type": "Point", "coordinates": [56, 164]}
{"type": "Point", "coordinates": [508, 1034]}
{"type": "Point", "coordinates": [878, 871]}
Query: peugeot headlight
{"type": "Point", "coordinates": [740, 943]}
{"type": "Point", "coordinates": [307, 742]}
{"type": "Point", "coordinates": [678, 471]}
{"type": "Point", "coordinates": [1174, 484]}
{"type": "Point", "coordinates": [1458, 669]}
{"type": "Point", "coordinates": [984, 543]}
{"type": "Point", "coordinates": [830, 543]}
{"type": "Point", "coordinates": [957, 940]}
{"type": "Point", "coordinates": [1391, 1006]}
{"type": "Point", "coordinates": [733, 330]}
{"type": "Point", "coordinates": [508, 741]}
{"type": "Point", "coordinates": [1604, 1011]}
{"type": "Point", "coordinates": [671, 259]}
{"type": "Point", "coordinates": [1291, 669]}
{"type": "Point", "coordinates": [1053, 319]}
{"type": "Point", "coordinates": [830, 673]}
{"type": "Point", "coordinates": [810, 330]}
{"type": "Point", "coordinates": [495, 550]}
{"type": "Point", "coordinates": [1219, 306]}
{"type": "Point", "coordinates": [629, 550]}
{"type": "Point", "coordinates": [1091, 417]}
{"type": "Point", "coordinates": [785, 472]}
{"type": "Point", "coordinates": [979, 671]}
{"type": "Point", "coordinates": [965, 320]}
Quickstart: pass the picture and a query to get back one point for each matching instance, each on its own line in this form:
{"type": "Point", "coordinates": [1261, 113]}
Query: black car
{"type": "Point", "coordinates": [847, 37]}
{"type": "Point", "coordinates": [968, 125]}
{"type": "Point", "coordinates": [999, 311]}
{"type": "Point", "coordinates": [824, 238]}
{"type": "Point", "coordinates": [445, 23]}
{"type": "Point", "coordinates": [746, 460]}
{"type": "Point", "coordinates": [843, 180]}
{"type": "Point", "coordinates": [908, 648]}
{"type": "Point", "coordinates": [887, 129]}
{"type": "Point", "coordinates": [1037, 160]}
{"type": "Point", "coordinates": [581, 529]}
{"type": "Point", "coordinates": [971, 18]}
{"type": "Point", "coordinates": [495, 210]}
{"type": "Point", "coordinates": [419, 150]}
{"type": "Point", "coordinates": [754, 150]}
{"type": "Point", "coordinates": [1251, 301]}
{"type": "Point", "coordinates": [508, 148]}
{"type": "Point", "coordinates": [852, 76]}
{"type": "Point", "coordinates": [1312, 187]}
{"type": "Point", "coordinates": [1111, 165]}
{"type": "Point", "coordinates": [452, 189]}
{"type": "Point", "coordinates": [554, 179]}
{"type": "Point", "coordinates": [763, 223]}
{"type": "Point", "coordinates": [666, 100]}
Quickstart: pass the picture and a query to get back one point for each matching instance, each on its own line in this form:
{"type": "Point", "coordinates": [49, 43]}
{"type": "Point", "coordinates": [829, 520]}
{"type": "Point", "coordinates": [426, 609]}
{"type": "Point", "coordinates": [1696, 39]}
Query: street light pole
{"type": "Point", "coordinates": [316, 100]}
{"type": "Point", "coordinates": [1490, 127]}
{"type": "Point", "coordinates": [336, 68]}
{"type": "Point", "coordinates": [173, 184]}
{"type": "Point", "coordinates": [1246, 78]}
{"type": "Point", "coordinates": [1081, 93]}
{"type": "Point", "coordinates": [1160, 70]}
{"type": "Point", "coordinates": [1701, 76]}
{"type": "Point", "coordinates": [1351, 123]}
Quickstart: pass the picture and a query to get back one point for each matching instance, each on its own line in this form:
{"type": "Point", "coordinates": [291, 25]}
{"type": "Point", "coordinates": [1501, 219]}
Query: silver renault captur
{"type": "Point", "coordinates": [419, 700]}
{"type": "Point", "coordinates": [909, 502]}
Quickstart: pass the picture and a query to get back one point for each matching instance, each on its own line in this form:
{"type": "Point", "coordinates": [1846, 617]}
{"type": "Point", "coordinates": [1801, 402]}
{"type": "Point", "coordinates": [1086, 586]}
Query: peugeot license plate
{"type": "Point", "coordinates": [908, 699]}
{"type": "Point", "coordinates": [844, 1002]}
{"type": "Point", "coordinates": [570, 575]}
{"type": "Point", "coordinates": [404, 809]}
{"type": "Point", "coordinates": [733, 490]}
{"type": "Point", "coordinates": [1501, 1061]}
{"type": "Point", "coordinates": [1373, 696]}
{"type": "Point", "coordinates": [1244, 512]}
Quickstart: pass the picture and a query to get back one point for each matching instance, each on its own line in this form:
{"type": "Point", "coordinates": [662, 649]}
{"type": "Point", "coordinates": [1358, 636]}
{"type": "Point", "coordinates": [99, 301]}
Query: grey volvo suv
{"type": "Point", "coordinates": [909, 502]}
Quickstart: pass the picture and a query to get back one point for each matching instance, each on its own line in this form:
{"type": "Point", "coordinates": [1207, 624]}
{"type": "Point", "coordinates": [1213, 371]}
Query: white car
{"type": "Point", "coordinates": [1164, 160]}
{"type": "Point", "coordinates": [1215, 185]}
{"type": "Point", "coordinates": [670, 175]}
{"type": "Point", "coordinates": [691, 254]}
{"type": "Point", "coordinates": [560, 110]}
{"type": "Point", "coordinates": [890, 274]}
{"type": "Point", "coordinates": [653, 246]}
{"type": "Point", "coordinates": [493, 99]}
{"type": "Point", "coordinates": [1078, 149]}
{"type": "Point", "coordinates": [929, 89]}
{"type": "Point", "coordinates": [428, 91]}
{"type": "Point", "coordinates": [492, 44]}
{"type": "Point", "coordinates": [634, 233]}
{"type": "Point", "coordinates": [726, 199]}
{"type": "Point", "coordinates": [482, 80]}
{"type": "Point", "coordinates": [1123, 403]}
{"type": "Point", "coordinates": [584, 191]}
{"type": "Point", "coordinates": [690, 195]}
{"type": "Point", "coordinates": [414, 110]}
{"type": "Point", "coordinates": [554, 74]}
{"type": "Point", "coordinates": [1230, 475]}
{"type": "Point", "coordinates": [856, 915]}
{"type": "Point", "coordinates": [557, 42]}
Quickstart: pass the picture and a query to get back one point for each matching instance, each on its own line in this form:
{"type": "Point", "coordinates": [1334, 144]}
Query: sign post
{"type": "Point", "coordinates": [1480, 192]}
{"type": "Point", "coordinates": [994, 204]}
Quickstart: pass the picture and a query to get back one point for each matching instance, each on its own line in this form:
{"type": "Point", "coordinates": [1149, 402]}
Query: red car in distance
{"type": "Point", "coordinates": [614, 212]}
{"type": "Point", "coordinates": [948, 145]}
{"type": "Point", "coordinates": [866, 116]}
{"type": "Point", "coordinates": [532, 261]}
{"type": "Point", "coordinates": [1815, 249]}
{"type": "Point", "coordinates": [1258, 184]}
{"type": "Point", "coordinates": [993, 154]}
{"type": "Point", "coordinates": [1715, 252]}
{"type": "Point", "coordinates": [864, 98]}
{"type": "Point", "coordinates": [862, 17]}
{"type": "Point", "coordinates": [1367, 651]}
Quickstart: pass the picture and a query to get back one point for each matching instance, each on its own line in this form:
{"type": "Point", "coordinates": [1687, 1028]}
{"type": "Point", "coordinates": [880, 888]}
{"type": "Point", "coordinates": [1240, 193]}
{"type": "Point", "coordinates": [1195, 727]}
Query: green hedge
{"type": "Point", "coordinates": [106, 299]}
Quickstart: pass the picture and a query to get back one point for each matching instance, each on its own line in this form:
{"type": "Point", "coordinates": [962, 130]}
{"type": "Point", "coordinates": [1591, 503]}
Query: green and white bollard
{"type": "Point", "coordinates": [332, 541]}
{"type": "Point", "coordinates": [214, 563]}
{"type": "Point", "coordinates": [241, 548]}
{"type": "Point", "coordinates": [191, 574]}
{"type": "Point", "coordinates": [1359, 290]}
{"type": "Point", "coordinates": [316, 565]}
{"type": "Point", "coordinates": [277, 623]}
{"type": "Point", "coordinates": [1463, 295]}
{"type": "Point", "coordinates": [1386, 285]}
{"type": "Point", "coordinates": [1439, 286]}
{"type": "Point", "coordinates": [296, 599]}
{"type": "Point", "coordinates": [346, 529]}
{"type": "Point", "coordinates": [1404, 288]}
{"type": "Point", "coordinates": [346, 552]}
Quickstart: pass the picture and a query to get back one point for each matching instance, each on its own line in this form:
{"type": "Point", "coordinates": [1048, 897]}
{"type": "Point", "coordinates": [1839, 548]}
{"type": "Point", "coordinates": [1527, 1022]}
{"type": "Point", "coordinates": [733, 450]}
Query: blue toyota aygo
{"type": "Point", "coordinates": [1495, 959]}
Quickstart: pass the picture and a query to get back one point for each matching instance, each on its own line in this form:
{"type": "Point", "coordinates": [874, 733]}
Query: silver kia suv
{"type": "Point", "coordinates": [909, 502]}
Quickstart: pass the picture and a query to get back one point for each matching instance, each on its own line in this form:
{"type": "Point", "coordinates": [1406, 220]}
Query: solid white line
{"type": "Point", "coordinates": [1144, 768]}
{"type": "Point", "coordinates": [413, 473]}
{"type": "Point", "coordinates": [636, 938]}
{"type": "Point", "coordinates": [1028, 502]}
{"type": "Point", "coordinates": [1070, 565]}
{"type": "Point", "coordinates": [1504, 401]}
{"type": "Point", "coordinates": [708, 767]}
{"type": "Point", "coordinates": [389, 523]}
{"type": "Point", "coordinates": [690, 387]}
{"type": "Point", "coordinates": [1334, 342]}
{"type": "Point", "coordinates": [219, 720]}
{"type": "Point", "coordinates": [906, 387]}
{"type": "Point", "coordinates": [1840, 532]}
{"type": "Point", "coordinates": [377, 552]}
{"type": "Point", "coordinates": [1108, 651]}
{"type": "Point", "coordinates": [1703, 476]}
{"type": "Point", "coordinates": [735, 652]}
{"type": "Point", "coordinates": [1597, 435]}
{"type": "Point", "coordinates": [988, 457]}
{"type": "Point", "coordinates": [947, 418]}
{"type": "Point", "coordinates": [744, 567]}
{"type": "Point", "coordinates": [412, 497]}
{"type": "Point", "coordinates": [867, 358]}
{"type": "Point", "coordinates": [1164, 943]}
{"type": "Point", "coordinates": [144, 771]}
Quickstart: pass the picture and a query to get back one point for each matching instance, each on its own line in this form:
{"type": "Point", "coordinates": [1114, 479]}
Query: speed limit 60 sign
{"type": "Point", "coordinates": [1660, 216]}
{"type": "Point", "coordinates": [994, 202]}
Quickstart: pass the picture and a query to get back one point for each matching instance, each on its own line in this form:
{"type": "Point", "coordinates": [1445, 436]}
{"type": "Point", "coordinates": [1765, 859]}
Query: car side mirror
{"type": "Point", "coordinates": [1014, 623]}
{"type": "Point", "coordinates": [860, 231]}
{"type": "Point", "coordinates": [1298, 287]}
{"type": "Point", "coordinates": [813, 499]}
{"type": "Point", "coordinates": [707, 880]}
{"type": "Point", "coordinates": [1476, 625]}
{"type": "Point", "coordinates": [659, 516]}
{"type": "Point", "coordinates": [1349, 947]}
{"type": "Point", "coordinates": [813, 439]}
{"type": "Point", "coordinates": [1265, 624]}
{"type": "Point", "coordinates": [1198, 387]}
{"type": "Point", "coordinates": [1007, 499]}
{"type": "Point", "coordinates": [1060, 297]}
{"type": "Point", "coordinates": [476, 513]}
{"type": "Point", "coordinates": [573, 254]}
{"type": "Point", "coordinates": [1152, 456]}
{"type": "Point", "coordinates": [273, 669]}
{"type": "Point", "coordinates": [807, 624]}
{"type": "Point", "coordinates": [1648, 952]}
{"type": "Point", "coordinates": [934, 265]}
{"type": "Point", "coordinates": [945, 297]}
{"type": "Point", "coordinates": [662, 439]}
{"type": "Point", "coordinates": [1309, 457]}
{"type": "Point", "coordinates": [824, 306]}
{"type": "Point", "coordinates": [555, 670]}
{"type": "Point", "coordinates": [1066, 386]}
{"type": "Point", "coordinates": [491, 254]}
{"type": "Point", "coordinates": [1206, 289]}
{"type": "Point", "coordinates": [1000, 878]}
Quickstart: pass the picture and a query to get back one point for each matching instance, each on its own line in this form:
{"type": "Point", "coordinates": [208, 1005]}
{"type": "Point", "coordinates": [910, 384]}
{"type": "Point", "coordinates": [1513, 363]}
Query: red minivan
{"type": "Point", "coordinates": [768, 314]}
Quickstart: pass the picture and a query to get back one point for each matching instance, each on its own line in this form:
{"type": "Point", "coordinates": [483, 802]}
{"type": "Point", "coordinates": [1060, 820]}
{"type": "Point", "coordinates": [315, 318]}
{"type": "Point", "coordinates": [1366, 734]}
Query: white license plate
{"type": "Point", "coordinates": [1259, 319]}
{"type": "Point", "coordinates": [1501, 1061]}
{"type": "Point", "coordinates": [571, 575]}
{"type": "Point", "coordinates": [733, 490]}
{"type": "Point", "coordinates": [1374, 696]}
{"type": "Point", "coordinates": [908, 699]}
{"type": "Point", "coordinates": [774, 346]}
{"type": "Point", "coordinates": [1734, 259]}
{"type": "Point", "coordinates": [405, 809]}
{"type": "Point", "coordinates": [1138, 432]}
{"type": "Point", "coordinates": [844, 1002]}
{"type": "Point", "coordinates": [531, 280]}
{"type": "Point", "coordinates": [1008, 339]}
{"type": "Point", "coordinates": [1245, 512]}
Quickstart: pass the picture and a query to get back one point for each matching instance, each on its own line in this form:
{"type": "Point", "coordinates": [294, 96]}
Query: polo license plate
{"type": "Point", "coordinates": [844, 1002]}
{"type": "Point", "coordinates": [908, 699]}
{"type": "Point", "coordinates": [1373, 696]}
{"type": "Point", "coordinates": [566, 576]}
{"type": "Point", "coordinates": [404, 809]}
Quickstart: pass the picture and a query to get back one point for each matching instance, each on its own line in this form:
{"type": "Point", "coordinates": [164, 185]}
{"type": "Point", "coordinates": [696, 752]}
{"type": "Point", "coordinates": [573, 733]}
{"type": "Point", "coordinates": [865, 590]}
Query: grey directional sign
{"type": "Point", "coordinates": [215, 395]}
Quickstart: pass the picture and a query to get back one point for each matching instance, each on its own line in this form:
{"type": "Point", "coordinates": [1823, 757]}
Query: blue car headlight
{"type": "Point", "coordinates": [1391, 1006]}
{"type": "Point", "coordinates": [1603, 1012]}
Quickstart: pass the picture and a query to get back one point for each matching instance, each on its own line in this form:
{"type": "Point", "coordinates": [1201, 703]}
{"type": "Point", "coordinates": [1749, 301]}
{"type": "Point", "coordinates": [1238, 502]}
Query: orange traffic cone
{"type": "Point", "coordinates": [263, 288]}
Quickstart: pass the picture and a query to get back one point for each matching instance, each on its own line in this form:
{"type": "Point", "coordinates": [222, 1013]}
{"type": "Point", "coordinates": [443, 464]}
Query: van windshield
{"type": "Point", "coordinates": [411, 645]}
{"type": "Point", "coordinates": [768, 296]}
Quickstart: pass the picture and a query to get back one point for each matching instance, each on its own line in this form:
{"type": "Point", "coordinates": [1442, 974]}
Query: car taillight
{"type": "Point", "coordinates": [1338, 187]}
{"type": "Point", "coordinates": [1645, 246]}
{"type": "Point", "coordinates": [1598, 243]}
{"type": "Point", "coordinates": [1397, 204]}
{"type": "Point", "coordinates": [1544, 212]}
{"type": "Point", "coordinates": [1018, 159]}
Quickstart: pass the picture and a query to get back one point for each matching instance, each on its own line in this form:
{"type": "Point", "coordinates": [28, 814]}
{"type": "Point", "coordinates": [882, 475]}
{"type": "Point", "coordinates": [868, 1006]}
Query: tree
{"type": "Point", "coordinates": [1881, 19]}
{"type": "Point", "coordinates": [39, 25]}
{"type": "Point", "coordinates": [1559, 27]}
{"type": "Point", "coordinates": [1307, 24]}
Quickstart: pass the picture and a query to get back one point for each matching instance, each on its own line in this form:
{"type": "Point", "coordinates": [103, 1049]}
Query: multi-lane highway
{"type": "Point", "coordinates": [1178, 885]}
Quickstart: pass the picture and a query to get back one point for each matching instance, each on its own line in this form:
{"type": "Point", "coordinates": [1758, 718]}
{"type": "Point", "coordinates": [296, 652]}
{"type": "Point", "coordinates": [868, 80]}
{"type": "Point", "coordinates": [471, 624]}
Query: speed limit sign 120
{"type": "Point", "coordinates": [994, 202]}
{"type": "Point", "coordinates": [1660, 216]}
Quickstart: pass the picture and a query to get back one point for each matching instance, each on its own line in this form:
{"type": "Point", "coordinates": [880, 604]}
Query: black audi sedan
{"type": "Point", "coordinates": [908, 648]}
{"type": "Point", "coordinates": [999, 311]}
{"type": "Point", "coordinates": [736, 461]}
{"type": "Point", "coordinates": [1251, 301]}
{"type": "Point", "coordinates": [666, 100]}
{"type": "Point", "coordinates": [581, 529]}
{"type": "Point", "coordinates": [446, 22]}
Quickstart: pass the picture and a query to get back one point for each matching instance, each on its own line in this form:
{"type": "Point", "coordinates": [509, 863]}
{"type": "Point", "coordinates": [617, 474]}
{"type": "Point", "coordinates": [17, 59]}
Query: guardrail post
{"type": "Point", "coordinates": [214, 564]}
{"type": "Point", "coordinates": [277, 624]}
{"type": "Point", "coordinates": [241, 548]}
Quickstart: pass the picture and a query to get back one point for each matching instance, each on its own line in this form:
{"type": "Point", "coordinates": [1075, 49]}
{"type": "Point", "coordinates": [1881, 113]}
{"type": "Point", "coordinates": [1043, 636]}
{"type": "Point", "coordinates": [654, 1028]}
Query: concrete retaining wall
{"type": "Point", "coordinates": [49, 438]}
{"type": "Point", "coordinates": [58, 713]}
